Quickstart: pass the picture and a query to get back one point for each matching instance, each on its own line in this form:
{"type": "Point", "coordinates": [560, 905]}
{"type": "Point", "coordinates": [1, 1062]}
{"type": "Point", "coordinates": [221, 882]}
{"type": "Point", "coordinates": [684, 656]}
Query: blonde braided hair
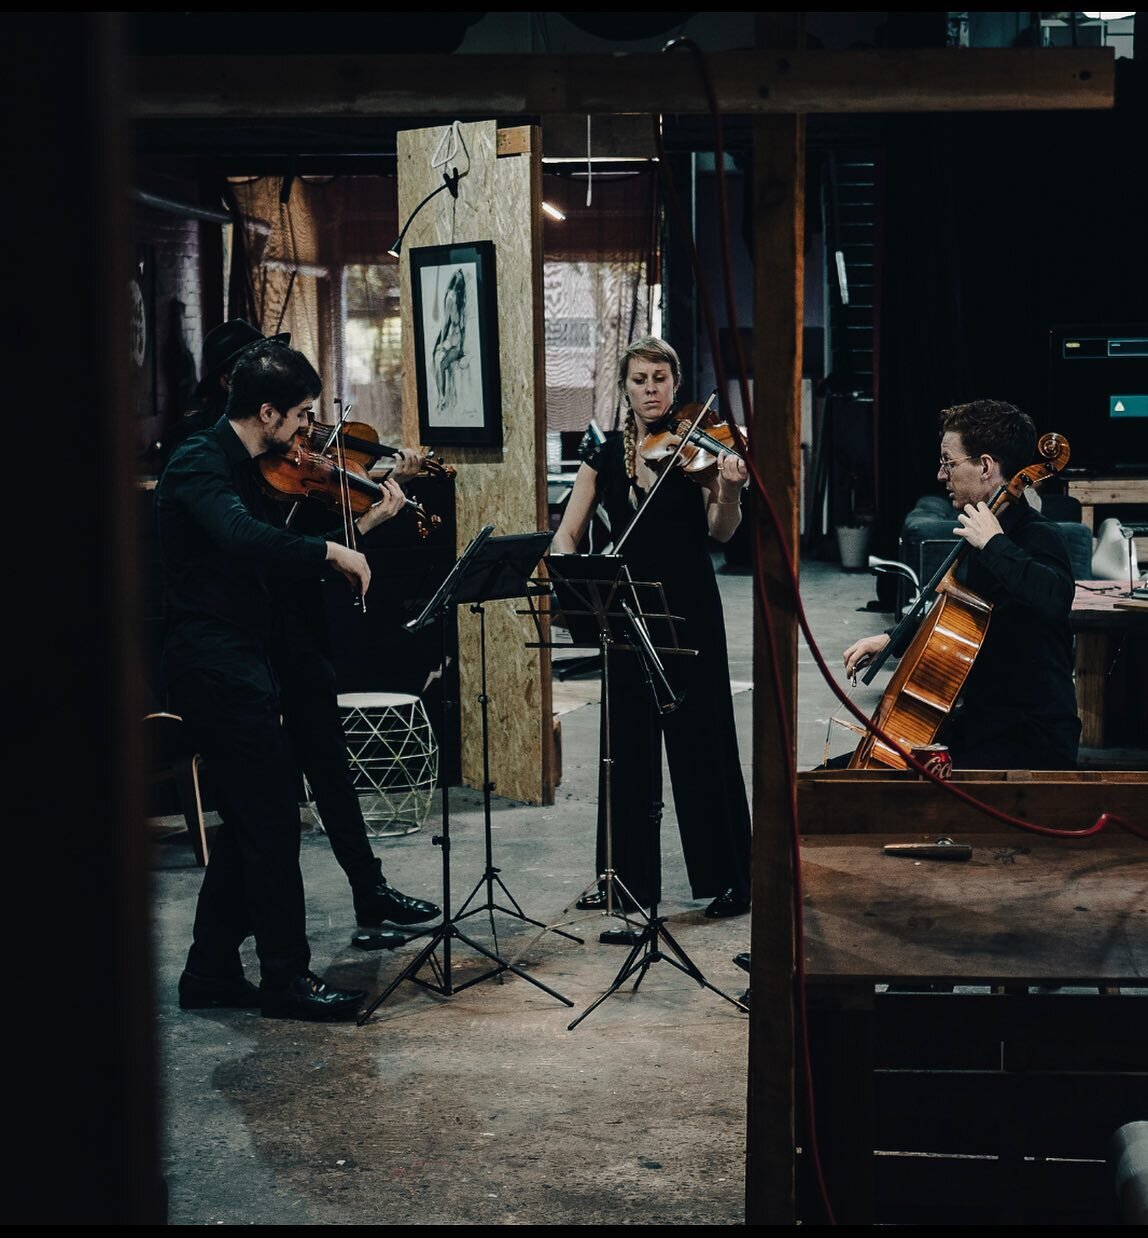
{"type": "Point", "coordinates": [630, 444]}
{"type": "Point", "coordinates": [649, 348]}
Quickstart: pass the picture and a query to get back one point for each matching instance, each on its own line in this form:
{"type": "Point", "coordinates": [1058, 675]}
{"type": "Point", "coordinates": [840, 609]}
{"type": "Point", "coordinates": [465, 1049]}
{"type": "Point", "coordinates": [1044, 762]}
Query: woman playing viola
{"type": "Point", "coordinates": [670, 544]}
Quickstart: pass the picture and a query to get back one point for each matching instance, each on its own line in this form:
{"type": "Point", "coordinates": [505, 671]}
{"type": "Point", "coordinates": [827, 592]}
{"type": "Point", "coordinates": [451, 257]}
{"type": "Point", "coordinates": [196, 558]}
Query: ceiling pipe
{"type": "Point", "coordinates": [186, 209]}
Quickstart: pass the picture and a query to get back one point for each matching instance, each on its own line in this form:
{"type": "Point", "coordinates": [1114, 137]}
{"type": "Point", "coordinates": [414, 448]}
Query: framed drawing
{"type": "Point", "coordinates": [455, 310]}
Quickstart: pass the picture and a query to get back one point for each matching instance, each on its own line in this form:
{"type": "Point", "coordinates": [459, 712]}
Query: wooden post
{"type": "Point", "coordinates": [779, 226]}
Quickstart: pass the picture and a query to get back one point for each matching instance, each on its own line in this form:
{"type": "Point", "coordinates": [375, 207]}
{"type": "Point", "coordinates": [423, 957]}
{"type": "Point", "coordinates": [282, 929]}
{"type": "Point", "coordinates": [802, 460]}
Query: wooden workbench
{"type": "Point", "coordinates": [1111, 665]}
{"type": "Point", "coordinates": [978, 1029]}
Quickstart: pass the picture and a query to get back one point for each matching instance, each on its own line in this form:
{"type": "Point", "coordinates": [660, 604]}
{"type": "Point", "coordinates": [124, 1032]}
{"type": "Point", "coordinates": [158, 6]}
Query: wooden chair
{"type": "Point", "coordinates": [174, 762]}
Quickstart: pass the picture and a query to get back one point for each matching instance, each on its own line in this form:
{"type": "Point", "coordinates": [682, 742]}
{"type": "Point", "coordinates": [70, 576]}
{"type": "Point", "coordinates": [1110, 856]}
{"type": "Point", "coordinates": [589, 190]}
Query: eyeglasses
{"type": "Point", "coordinates": [948, 465]}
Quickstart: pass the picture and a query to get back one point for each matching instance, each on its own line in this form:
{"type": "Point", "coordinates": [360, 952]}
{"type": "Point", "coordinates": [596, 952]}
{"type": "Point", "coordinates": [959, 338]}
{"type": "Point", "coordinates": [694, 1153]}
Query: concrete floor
{"type": "Point", "coordinates": [481, 1106]}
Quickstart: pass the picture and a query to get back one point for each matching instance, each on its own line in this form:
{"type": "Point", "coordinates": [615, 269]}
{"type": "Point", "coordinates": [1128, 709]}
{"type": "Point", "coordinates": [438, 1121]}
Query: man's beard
{"type": "Point", "coordinates": [282, 449]}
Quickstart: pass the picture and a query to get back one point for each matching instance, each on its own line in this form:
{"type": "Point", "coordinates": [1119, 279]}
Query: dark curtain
{"type": "Point", "coordinates": [996, 228]}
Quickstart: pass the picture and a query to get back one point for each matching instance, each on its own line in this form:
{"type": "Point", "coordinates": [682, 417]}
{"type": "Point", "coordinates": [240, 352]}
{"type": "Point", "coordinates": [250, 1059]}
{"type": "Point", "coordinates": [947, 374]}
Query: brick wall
{"type": "Point", "coordinates": [176, 250]}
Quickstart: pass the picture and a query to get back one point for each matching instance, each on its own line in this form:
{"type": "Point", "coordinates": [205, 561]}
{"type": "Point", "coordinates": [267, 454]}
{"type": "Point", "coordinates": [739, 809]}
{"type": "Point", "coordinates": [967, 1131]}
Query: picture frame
{"type": "Point", "coordinates": [141, 340]}
{"type": "Point", "coordinates": [454, 307]}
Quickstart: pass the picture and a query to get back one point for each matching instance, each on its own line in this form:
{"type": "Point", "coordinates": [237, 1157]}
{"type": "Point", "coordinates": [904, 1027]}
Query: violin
{"type": "Point", "coordinates": [300, 473]}
{"type": "Point", "coordinates": [933, 669]}
{"type": "Point", "coordinates": [704, 442]}
{"type": "Point", "coordinates": [358, 441]}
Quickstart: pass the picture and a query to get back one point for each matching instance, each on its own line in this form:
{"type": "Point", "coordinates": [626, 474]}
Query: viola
{"type": "Point", "coordinates": [704, 443]}
{"type": "Point", "coordinates": [933, 669]}
{"type": "Point", "coordinates": [300, 473]}
{"type": "Point", "coordinates": [358, 442]}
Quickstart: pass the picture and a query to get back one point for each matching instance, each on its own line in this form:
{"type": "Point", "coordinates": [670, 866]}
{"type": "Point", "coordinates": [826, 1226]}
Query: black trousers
{"type": "Point", "coordinates": [705, 777]}
{"type": "Point", "coordinates": [253, 883]}
{"type": "Point", "coordinates": [314, 725]}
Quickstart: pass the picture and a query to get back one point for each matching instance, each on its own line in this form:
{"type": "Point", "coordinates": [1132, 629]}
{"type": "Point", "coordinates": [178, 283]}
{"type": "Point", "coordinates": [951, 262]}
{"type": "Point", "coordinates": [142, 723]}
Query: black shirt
{"type": "Point", "coordinates": [1020, 689]}
{"type": "Point", "coordinates": [220, 548]}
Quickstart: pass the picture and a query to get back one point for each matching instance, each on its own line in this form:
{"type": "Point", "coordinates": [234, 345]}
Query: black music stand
{"type": "Point", "coordinates": [502, 569]}
{"type": "Point", "coordinates": [476, 568]}
{"type": "Point", "coordinates": [597, 597]}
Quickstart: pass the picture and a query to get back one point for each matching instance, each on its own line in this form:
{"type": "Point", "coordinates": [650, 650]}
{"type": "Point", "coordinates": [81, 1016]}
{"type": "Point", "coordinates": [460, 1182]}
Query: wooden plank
{"type": "Point", "coordinates": [1024, 910]}
{"type": "Point", "coordinates": [894, 805]}
{"type": "Point", "coordinates": [1065, 1114]}
{"type": "Point", "coordinates": [1094, 492]}
{"type": "Point", "coordinates": [498, 200]}
{"type": "Point", "coordinates": [919, 1191]}
{"type": "Point", "coordinates": [755, 83]}
{"type": "Point", "coordinates": [1108, 491]}
{"type": "Point", "coordinates": [779, 215]}
{"type": "Point", "coordinates": [1100, 1028]}
{"type": "Point", "coordinates": [1093, 656]}
{"type": "Point", "coordinates": [513, 141]}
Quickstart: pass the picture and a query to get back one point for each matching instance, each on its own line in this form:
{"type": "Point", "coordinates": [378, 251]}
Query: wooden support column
{"type": "Point", "coordinates": [779, 226]}
{"type": "Point", "coordinates": [499, 199]}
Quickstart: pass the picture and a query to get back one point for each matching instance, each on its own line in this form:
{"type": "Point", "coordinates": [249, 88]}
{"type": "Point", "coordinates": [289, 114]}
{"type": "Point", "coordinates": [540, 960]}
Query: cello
{"type": "Point", "coordinates": [933, 669]}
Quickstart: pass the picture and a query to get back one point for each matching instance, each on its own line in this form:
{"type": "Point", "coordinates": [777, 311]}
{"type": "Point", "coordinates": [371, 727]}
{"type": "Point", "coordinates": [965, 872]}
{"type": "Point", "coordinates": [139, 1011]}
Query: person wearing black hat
{"type": "Point", "coordinates": [305, 671]}
{"type": "Point", "coordinates": [222, 347]}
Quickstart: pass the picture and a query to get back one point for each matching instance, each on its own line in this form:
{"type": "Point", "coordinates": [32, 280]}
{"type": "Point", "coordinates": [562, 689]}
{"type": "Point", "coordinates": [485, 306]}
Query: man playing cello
{"type": "Point", "coordinates": [1017, 709]}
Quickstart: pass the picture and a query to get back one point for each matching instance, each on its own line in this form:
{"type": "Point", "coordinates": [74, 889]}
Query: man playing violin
{"type": "Point", "coordinates": [1018, 708]}
{"type": "Point", "coordinates": [219, 553]}
{"type": "Point", "coordinates": [305, 673]}
{"type": "Point", "coordinates": [670, 545]}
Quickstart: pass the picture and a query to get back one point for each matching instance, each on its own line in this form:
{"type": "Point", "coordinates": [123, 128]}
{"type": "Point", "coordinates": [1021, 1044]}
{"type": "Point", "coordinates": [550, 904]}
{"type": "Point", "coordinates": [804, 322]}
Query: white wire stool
{"type": "Point", "coordinates": [393, 756]}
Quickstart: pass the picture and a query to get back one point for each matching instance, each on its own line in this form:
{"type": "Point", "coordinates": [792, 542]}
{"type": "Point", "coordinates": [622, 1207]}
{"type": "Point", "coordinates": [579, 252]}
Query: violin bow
{"type": "Point", "coordinates": [345, 486]}
{"type": "Point", "coordinates": [322, 451]}
{"type": "Point", "coordinates": [665, 471]}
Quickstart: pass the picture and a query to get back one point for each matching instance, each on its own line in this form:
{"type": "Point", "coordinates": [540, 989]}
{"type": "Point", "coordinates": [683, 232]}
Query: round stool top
{"type": "Point", "coordinates": [375, 700]}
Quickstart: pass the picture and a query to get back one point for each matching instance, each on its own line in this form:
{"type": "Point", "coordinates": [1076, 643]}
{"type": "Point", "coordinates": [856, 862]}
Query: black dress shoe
{"type": "Point", "coordinates": [382, 902]}
{"type": "Point", "coordinates": [728, 904]}
{"type": "Point", "coordinates": [596, 901]}
{"type": "Point", "coordinates": [211, 993]}
{"type": "Point", "coordinates": [307, 997]}
{"type": "Point", "coordinates": [742, 960]}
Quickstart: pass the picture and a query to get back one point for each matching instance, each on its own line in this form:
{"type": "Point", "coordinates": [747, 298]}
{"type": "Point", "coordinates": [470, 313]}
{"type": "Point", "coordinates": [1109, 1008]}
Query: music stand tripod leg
{"type": "Point", "coordinates": [470, 568]}
{"type": "Point", "coordinates": [491, 873]}
{"type": "Point", "coordinates": [647, 947]}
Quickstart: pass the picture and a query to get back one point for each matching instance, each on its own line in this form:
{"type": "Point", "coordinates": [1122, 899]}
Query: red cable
{"type": "Point", "coordinates": [784, 724]}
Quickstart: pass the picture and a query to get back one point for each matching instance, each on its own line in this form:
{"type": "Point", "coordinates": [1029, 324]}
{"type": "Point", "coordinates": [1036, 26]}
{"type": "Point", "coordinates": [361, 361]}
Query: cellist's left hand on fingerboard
{"type": "Point", "coordinates": [977, 525]}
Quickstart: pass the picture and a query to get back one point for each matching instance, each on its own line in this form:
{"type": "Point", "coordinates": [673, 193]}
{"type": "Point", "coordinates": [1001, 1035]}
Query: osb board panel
{"type": "Point", "coordinates": [498, 486]}
{"type": "Point", "coordinates": [879, 802]}
{"type": "Point", "coordinates": [1023, 909]}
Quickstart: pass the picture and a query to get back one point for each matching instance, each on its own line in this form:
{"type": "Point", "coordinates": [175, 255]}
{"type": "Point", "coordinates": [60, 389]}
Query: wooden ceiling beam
{"type": "Point", "coordinates": [754, 83]}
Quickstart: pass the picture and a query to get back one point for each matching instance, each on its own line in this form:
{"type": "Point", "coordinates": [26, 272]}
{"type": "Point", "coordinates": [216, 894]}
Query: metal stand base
{"type": "Point", "coordinates": [647, 951]}
{"type": "Point", "coordinates": [489, 879]}
{"type": "Point", "coordinates": [490, 875]}
{"type": "Point", "coordinates": [443, 984]}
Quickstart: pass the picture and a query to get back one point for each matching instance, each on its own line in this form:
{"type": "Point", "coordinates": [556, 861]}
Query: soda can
{"type": "Point", "coordinates": [935, 758]}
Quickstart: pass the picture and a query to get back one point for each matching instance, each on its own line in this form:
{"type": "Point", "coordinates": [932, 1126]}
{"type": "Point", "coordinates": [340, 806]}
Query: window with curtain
{"type": "Point", "coordinates": [600, 287]}
{"type": "Point", "coordinates": [317, 265]}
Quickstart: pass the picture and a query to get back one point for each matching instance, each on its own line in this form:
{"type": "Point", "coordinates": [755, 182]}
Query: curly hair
{"type": "Point", "coordinates": [993, 428]}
